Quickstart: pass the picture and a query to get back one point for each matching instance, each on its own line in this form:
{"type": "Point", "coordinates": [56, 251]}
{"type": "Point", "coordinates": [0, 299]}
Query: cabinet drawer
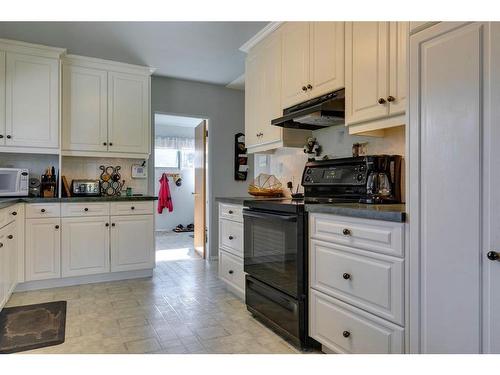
{"type": "Point", "coordinates": [132, 208]}
{"type": "Point", "coordinates": [332, 320]}
{"type": "Point", "coordinates": [374, 235]}
{"type": "Point", "coordinates": [85, 209]}
{"type": "Point", "coordinates": [231, 236]}
{"type": "Point", "coordinates": [231, 270]}
{"type": "Point", "coordinates": [41, 210]}
{"type": "Point", "coordinates": [365, 279]}
{"type": "Point", "coordinates": [231, 212]}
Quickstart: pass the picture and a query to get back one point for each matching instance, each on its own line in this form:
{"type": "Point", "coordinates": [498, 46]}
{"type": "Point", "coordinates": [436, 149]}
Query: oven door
{"type": "Point", "coordinates": [272, 248]}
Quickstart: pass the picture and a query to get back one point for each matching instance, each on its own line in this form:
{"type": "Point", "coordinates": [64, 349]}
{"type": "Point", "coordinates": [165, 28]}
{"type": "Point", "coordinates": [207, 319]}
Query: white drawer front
{"type": "Point", "coordinates": [231, 212]}
{"type": "Point", "coordinates": [374, 235]}
{"type": "Point", "coordinates": [231, 236]}
{"type": "Point", "coordinates": [231, 270]}
{"type": "Point", "coordinates": [331, 320]}
{"type": "Point", "coordinates": [6, 215]}
{"type": "Point", "coordinates": [365, 279]}
{"type": "Point", "coordinates": [42, 210]}
{"type": "Point", "coordinates": [132, 208]}
{"type": "Point", "coordinates": [85, 209]}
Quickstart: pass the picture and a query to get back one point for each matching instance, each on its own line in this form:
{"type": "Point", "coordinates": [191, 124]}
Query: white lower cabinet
{"type": "Point", "coordinates": [8, 262]}
{"type": "Point", "coordinates": [231, 248]}
{"type": "Point", "coordinates": [132, 244]}
{"type": "Point", "coordinates": [231, 271]}
{"type": "Point", "coordinates": [356, 293]}
{"type": "Point", "coordinates": [346, 329]}
{"type": "Point", "coordinates": [85, 246]}
{"type": "Point", "coordinates": [43, 249]}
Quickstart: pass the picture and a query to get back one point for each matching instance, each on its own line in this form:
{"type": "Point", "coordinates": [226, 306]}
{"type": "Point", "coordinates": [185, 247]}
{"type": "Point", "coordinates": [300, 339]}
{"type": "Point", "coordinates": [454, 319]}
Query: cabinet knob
{"type": "Point", "coordinates": [346, 334]}
{"type": "Point", "coordinates": [309, 87]}
{"type": "Point", "coordinates": [42, 210]}
{"type": "Point", "coordinates": [9, 137]}
{"type": "Point", "coordinates": [231, 272]}
{"type": "Point", "coordinates": [107, 224]}
{"type": "Point", "coordinates": [132, 208]}
{"type": "Point", "coordinates": [391, 98]}
{"type": "Point", "coordinates": [346, 232]}
{"type": "Point", "coordinates": [304, 88]}
{"type": "Point", "coordinates": [346, 276]}
{"type": "Point", "coordinates": [57, 226]}
{"type": "Point", "coordinates": [1, 135]}
{"type": "Point", "coordinates": [104, 143]}
{"type": "Point", "coordinates": [112, 224]}
{"type": "Point", "coordinates": [493, 255]}
{"type": "Point", "coordinates": [1, 244]}
{"type": "Point", "coordinates": [14, 213]}
{"type": "Point", "coordinates": [10, 236]}
{"type": "Point", "coordinates": [85, 209]}
{"type": "Point", "coordinates": [381, 101]}
{"type": "Point", "coordinates": [111, 143]}
{"type": "Point", "coordinates": [230, 237]}
{"type": "Point", "coordinates": [230, 212]}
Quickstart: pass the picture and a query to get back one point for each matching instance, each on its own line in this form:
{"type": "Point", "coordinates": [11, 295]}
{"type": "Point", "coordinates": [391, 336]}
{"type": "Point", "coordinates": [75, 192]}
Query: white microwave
{"type": "Point", "coordinates": [14, 182]}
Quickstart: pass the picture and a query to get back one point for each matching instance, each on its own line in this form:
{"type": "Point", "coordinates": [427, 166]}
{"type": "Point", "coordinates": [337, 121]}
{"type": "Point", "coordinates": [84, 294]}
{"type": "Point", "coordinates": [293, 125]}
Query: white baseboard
{"type": "Point", "coordinates": [90, 279]}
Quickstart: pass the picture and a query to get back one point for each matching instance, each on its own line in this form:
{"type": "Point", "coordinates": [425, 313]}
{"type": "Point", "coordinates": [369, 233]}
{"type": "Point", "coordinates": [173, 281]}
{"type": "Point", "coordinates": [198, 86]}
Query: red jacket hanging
{"type": "Point", "coordinates": [164, 197]}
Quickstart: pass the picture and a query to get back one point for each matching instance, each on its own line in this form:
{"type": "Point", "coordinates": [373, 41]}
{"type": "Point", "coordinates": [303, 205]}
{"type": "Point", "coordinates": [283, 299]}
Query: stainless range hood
{"type": "Point", "coordinates": [314, 114]}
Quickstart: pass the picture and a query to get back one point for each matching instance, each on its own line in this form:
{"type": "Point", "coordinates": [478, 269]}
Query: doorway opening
{"type": "Point", "coordinates": [180, 161]}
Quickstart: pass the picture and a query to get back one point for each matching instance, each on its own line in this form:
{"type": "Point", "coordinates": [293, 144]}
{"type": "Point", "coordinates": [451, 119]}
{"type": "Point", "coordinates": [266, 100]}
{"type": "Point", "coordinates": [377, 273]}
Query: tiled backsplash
{"type": "Point", "coordinates": [287, 164]}
{"type": "Point", "coordinates": [35, 163]}
{"type": "Point", "coordinates": [88, 168]}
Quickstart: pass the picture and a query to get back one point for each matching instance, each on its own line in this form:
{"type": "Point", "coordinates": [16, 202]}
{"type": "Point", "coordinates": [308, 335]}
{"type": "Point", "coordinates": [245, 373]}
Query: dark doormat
{"type": "Point", "coordinates": [31, 327]}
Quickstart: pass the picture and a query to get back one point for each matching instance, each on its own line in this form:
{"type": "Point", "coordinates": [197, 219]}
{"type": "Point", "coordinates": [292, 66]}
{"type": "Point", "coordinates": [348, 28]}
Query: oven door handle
{"type": "Point", "coordinates": [267, 215]}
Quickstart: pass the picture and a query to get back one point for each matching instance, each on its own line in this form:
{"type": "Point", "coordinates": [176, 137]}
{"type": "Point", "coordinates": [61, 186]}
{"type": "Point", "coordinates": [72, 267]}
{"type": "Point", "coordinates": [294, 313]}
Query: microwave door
{"type": "Point", "coordinates": [9, 182]}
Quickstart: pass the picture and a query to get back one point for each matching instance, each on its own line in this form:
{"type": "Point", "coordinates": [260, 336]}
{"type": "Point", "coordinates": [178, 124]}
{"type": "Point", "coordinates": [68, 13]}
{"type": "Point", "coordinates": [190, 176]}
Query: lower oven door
{"type": "Point", "coordinates": [272, 243]}
{"type": "Point", "coordinates": [274, 307]}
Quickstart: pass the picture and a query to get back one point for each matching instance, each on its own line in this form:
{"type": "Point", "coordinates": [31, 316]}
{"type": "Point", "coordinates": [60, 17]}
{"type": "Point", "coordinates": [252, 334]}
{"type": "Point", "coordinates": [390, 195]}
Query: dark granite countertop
{"type": "Point", "coordinates": [233, 200]}
{"type": "Point", "coordinates": [6, 202]}
{"type": "Point", "coordinates": [387, 212]}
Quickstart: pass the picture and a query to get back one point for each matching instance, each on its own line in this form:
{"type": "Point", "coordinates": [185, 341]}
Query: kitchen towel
{"type": "Point", "coordinates": [164, 197]}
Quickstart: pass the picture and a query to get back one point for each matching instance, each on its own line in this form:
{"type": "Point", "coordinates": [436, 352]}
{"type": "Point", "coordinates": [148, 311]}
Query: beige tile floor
{"type": "Point", "coordinates": [183, 308]}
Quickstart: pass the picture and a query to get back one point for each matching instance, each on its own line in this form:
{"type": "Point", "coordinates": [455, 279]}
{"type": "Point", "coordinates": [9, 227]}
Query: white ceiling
{"type": "Point", "coordinates": [169, 120]}
{"type": "Point", "coordinates": [198, 51]}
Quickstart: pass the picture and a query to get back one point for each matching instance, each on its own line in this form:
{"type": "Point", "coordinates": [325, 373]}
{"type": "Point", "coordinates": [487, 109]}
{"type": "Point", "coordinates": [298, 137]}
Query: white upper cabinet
{"type": "Point", "coordinates": [32, 101]}
{"type": "Point", "coordinates": [2, 98]}
{"type": "Point", "coordinates": [295, 76]}
{"type": "Point", "coordinates": [128, 115]}
{"type": "Point", "coordinates": [375, 74]}
{"type": "Point", "coordinates": [326, 65]}
{"type": "Point", "coordinates": [106, 108]}
{"type": "Point", "coordinates": [85, 109]}
{"type": "Point", "coordinates": [367, 69]}
{"type": "Point", "coordinates": [398, 33]}
{"type": "Point", "coordinates": [313, 60]}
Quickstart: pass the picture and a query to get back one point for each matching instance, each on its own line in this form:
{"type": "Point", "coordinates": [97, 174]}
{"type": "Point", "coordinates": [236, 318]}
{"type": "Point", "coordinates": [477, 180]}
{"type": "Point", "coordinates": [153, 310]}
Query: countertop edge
{"type": "Point", "coordinates": [7, 202]}
{"type": "Point", "coordinates": [358, 212]}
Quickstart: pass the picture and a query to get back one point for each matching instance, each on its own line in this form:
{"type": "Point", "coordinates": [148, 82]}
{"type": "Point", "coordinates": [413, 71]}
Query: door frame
{"type": "Point", "coordinates": [151, 171]}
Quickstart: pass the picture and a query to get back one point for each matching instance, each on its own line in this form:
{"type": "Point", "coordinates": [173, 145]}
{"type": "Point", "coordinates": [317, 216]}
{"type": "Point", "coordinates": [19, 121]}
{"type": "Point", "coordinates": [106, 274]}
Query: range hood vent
{"type": "Point", "coordinates": [314, 114]}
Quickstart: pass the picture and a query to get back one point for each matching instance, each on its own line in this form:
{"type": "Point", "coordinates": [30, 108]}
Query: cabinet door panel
{"type": "Point", "coordinates": [271, 93]}
{"type": "Point", "coordinates": [85, 246]}
{"type": "Point", "coordinates": [32, 101]}
{"type": "Point", "coordinates": [2, 97]}
{"type": "Point", "coordinates": [367, 64]}
{"type": "Point", "coordinates": [11, 242]}
{"type": "Point", "coordinates": [43, 249]}
{"type": "Point", "coordinates": [327, 57]}
{"type": "Point", "coordinates": [253, 97]}
{"type": "Point", "coordinates": [295, 62]}
{"type": "Point", "coordinates": [128, 122]}
{"type": "Point", "coordinates": [132, 245]}
{"type": "Point", "coordinates": [3, 271]}
{"type": "Point", "coordinates": [397, 66]}
{"type": "Point", "coordinates": [447, 72]}
{"type": "Point", "coordinates": [85, 109]}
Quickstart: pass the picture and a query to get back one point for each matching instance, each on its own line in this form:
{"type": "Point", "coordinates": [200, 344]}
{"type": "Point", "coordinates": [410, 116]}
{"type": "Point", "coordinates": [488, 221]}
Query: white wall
{"type": "Point", "coordinates": [225, 110]}
{"type": "Point", "coordinates": [287, 164]}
